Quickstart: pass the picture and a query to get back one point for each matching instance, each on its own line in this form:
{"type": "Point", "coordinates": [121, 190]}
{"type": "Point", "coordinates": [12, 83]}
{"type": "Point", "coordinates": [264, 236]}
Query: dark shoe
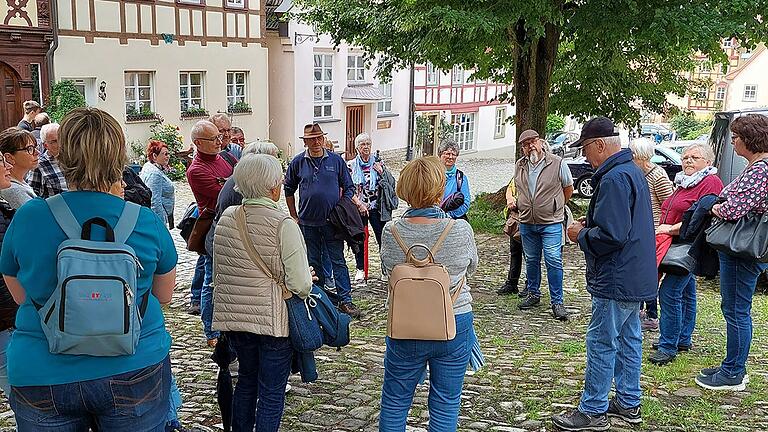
{"type": "Point", "coordinates": [350, 309]}
{"type": "Point", "coordinates": [529, 302]}
{"type": "Point", "coordinates": [649, 324]}
{"type": "Point", "coordinates": [660, 359]}
{"type": "Point", "coordinates": [718, 381]}
{"type": "Point", "coordinates": [578, 421]}
{"type": "Point", "coordinates": [523, 292]}
{"type": "Point", "coordinates": [713, 370]}
{"type": "Point", "coordinates": [194, 309]}
{"type": "Point", "coordinates": [507, 288]}
{"type": "Point", "coordinates": [559, 312]}
{"type": "Point", "coordinates": [629, 415]}
{"type": "Point", "coordinates": [680, 348]}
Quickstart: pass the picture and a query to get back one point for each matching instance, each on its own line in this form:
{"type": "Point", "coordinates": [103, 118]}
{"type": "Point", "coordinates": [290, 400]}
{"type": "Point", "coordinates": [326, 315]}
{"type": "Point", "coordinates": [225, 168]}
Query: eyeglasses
{"type": "Point", "coordinates": [450, 154]}
{"type": "Point", "coordinates": [692, 158]}
{"type": "Point", "coordinates": [31, 149]}
{"type": "Point", "coordinates": [216, 138]}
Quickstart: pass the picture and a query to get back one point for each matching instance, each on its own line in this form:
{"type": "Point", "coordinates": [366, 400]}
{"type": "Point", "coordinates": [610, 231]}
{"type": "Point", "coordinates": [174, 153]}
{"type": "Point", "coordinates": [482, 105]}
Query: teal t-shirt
{"type": "Point", "coordinates": [29, 254]}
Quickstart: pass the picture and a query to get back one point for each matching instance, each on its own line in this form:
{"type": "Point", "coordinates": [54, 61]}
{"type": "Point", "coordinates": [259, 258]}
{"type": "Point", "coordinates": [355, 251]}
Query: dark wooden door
{"type": "Point", "coordinates": [10, 97]}
{"type": "Point", "coordinates": [354, 128]}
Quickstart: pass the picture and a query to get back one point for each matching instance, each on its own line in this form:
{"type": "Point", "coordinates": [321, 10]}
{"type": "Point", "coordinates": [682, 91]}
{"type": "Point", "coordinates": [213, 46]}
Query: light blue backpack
{"type": "Point", "coordinates": [94, 309]}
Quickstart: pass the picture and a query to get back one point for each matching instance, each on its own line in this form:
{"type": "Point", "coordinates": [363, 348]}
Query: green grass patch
{"type": "Point", "coordinates": [485, 217]}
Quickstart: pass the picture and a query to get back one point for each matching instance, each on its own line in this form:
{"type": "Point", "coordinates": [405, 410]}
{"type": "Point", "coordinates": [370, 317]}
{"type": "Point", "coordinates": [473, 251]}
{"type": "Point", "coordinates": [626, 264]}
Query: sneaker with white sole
{"type": "Point", "coordinates": [718, 381]}
{"type": "Point", "coordinates": [360, 276]}
{"type": "Point", "coordinates": [713, 370]}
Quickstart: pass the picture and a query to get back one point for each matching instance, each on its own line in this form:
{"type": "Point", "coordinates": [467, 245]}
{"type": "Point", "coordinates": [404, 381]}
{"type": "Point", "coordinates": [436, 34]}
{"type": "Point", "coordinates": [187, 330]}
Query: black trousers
{"type": "Point", "coordinates": [515, 261]}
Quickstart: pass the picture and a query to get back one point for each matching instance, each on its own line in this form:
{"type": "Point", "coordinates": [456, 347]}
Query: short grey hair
{"type": "Point", "coordinates": [42, 119]}
{"type": "Point", "coordinates": [261, 147]}
{"type": "Point", "coordinates": [448, 144]}
{"type": "Point", "coordinates": [198, 128]}
{"type": "Point", "coordinates": [706, 151]}
{"type": "Point", "coordinates": [642, 148]}
{"type": "Point", "coordinates": [361, 138]}
{"type": "Point", "coordinates": [257, 175]}
{"type": "Point", "coordinates": [220, 116]}
{"type": "Point", "coordinates": [612, 141]}
{"type": "Point", "coordinates": [46, 129]}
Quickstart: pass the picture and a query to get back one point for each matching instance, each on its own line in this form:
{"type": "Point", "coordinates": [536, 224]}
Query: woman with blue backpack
{"type": "Point", "coordinates": [90, 346]}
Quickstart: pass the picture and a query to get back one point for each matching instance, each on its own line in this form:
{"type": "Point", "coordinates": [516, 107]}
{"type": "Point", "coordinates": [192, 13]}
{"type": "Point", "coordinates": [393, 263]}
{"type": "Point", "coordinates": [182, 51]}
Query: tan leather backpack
{"type": "Point", "coordinates": [420, 304]}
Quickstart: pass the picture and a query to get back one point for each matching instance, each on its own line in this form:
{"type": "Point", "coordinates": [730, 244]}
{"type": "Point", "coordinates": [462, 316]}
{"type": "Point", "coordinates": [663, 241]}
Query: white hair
{"type": "Point", "coordinates": [612, 141]}
{"type": "Point", "coordinates": [261, 147]}
{"type": "Point", "coordinates": [706, 151]}
{"type": "Point", "coordinates": [257, 175]}
{"type": "Point", "coordinates": [220, 117]}
{"type": "Point", "coordinates": [361, 138]}
{"type": "Point", "coordinates": [642, 148]}
{"type": "Point", "coordinates": [46, 129]}
{"type": "Point", "coordinates": [198, 128]}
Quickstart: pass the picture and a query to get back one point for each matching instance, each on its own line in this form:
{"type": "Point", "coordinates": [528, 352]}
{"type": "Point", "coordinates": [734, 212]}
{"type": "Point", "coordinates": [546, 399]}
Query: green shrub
{"type": "Point", "coordinates": [63, 98]}
{"type": "Point", "coordinates": [555, 123]}
{"type": "Point", "coordinates": [484, 216]}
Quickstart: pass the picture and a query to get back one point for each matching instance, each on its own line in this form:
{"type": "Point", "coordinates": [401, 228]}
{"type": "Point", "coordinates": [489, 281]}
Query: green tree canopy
{"type": "Point", "coordinates": [581, 58]}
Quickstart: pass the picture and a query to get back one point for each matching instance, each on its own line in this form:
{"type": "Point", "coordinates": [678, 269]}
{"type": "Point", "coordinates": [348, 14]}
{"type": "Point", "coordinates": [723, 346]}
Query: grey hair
{"type": "Point", "coordinates": [257, 175]}
{"type": "Point", "coordinates": [642, 148]}
{"type": "Point", "coordinates": [220, 116]}
{"type": "Point", "coordinates": [448, 144]}
{"type": "Point", "coordinates": [612, 141]}
{"type": "Point", "coordinates": [198, 128]}
{"type": "Point", "coordinates": [46, 129]}
{"type": "Point", "coordinates": [706, 151]}
{"type": "Point", "coordinates": [361, 138]}
{"type": "Point", "coordinates": [261, 147]}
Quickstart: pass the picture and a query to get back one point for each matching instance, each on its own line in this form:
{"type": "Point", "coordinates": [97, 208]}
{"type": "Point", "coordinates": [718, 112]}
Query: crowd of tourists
{"type": "Point", "coordinates": [84, 345]}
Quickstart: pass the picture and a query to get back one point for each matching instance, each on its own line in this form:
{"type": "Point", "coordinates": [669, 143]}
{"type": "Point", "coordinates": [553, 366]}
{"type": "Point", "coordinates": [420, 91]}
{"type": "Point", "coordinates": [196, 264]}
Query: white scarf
{"type": "Point", "coordinates": [689, 181]}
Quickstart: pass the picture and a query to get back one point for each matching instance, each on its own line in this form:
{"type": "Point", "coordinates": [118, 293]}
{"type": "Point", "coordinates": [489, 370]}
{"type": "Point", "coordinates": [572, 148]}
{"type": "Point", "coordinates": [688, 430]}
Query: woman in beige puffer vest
{"type": "Point", "coordinates": [248, 298]}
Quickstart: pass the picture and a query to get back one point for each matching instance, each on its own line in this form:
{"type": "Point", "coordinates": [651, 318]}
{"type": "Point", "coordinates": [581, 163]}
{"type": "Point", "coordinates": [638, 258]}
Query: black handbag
{"type": "Point", "coordinates": [677, 261]}
{"type": "Point", "coordinates": [745, 238]}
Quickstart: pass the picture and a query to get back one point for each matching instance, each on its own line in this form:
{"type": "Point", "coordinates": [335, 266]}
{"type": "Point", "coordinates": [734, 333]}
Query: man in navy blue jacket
{"type": "Point", "coordinates": [322, 178]}
{"type": "Point", "coordinates": [618, 241]}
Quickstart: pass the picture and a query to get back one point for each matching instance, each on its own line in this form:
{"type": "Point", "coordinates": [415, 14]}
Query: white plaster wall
{"type": "Point", "coordinates": [107, 60]}
{"type": "Point", "coordinates": [755, 73]}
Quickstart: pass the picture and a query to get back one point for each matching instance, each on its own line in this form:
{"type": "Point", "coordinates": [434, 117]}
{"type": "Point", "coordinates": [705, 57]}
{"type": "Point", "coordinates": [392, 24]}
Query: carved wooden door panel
{"type": "Point", "coordinates": [10, 97]}
{"type": "Point", "coordinates": [354, 128]}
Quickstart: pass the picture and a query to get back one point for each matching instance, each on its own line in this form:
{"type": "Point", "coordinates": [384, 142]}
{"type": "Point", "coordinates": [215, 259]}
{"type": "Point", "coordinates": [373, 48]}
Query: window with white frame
{"type": "Point", "coordinates": [191, 90]}
{"type": "Point", "coordinates": [432, 74]}
{"type": "Point", "coordinates": [237, 86]}
{"type": "Point", "coordinates": [138, 93]}
{"type": "Point", "coordinates": [704, 67]}
{"type": "Point", "coordinates": [702, 93]}
{"type": "Point", "coordinates": [501, 123]}
{"type": "Point", "coordinates": [355, 68]}
{"type": "Point", "coordinates": [235, 4]}
{"type": "Point", "coordinates": [727, 43]}
{"type": "Point", "coordinates": [750, 92]}
{"type": "Point", "coordinates": [323, 89]}
{"type": "Point", "coordinates": [720, 93]}
{"type": "Point", "coordinates": [464, 130]}
{"type": "Point", "coordinates": [457, 75]}
{"type": "Point", "coordinates": [86, 87]}
{"type": "Point", "coordinates": [385, 106]}
{"type": "Point", "coordinates": [192, 2]}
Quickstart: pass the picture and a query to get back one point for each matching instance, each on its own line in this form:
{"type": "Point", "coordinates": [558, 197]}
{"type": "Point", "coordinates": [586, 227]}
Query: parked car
{"type": "Point", "coordinates": [559, 142]}
{"type": "Point", "coordinates": [582, 171]}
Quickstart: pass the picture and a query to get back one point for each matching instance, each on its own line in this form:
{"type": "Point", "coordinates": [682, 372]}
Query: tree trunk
{"type": "Point", "coordinates": [534, 64]}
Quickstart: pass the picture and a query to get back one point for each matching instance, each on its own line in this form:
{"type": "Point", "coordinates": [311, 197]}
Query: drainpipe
{"type": "Point", "coordinates": [411, 118]}
{"type": "Point", "coordinates": [54, 44]}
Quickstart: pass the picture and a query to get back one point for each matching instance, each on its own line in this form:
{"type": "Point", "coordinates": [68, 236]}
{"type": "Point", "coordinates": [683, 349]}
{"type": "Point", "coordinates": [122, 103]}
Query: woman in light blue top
{"type": "Point", "coordinates": [153, 174]}
{"type": "Point", "coordinates": [456, 197]}
{"type": "Point", "coordinates": [53, 392]}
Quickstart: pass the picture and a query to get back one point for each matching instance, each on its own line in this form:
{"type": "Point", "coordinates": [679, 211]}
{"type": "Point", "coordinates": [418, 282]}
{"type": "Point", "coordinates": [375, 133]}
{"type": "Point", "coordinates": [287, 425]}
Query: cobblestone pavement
{"type": "Point", "coordinates": [535, 365]}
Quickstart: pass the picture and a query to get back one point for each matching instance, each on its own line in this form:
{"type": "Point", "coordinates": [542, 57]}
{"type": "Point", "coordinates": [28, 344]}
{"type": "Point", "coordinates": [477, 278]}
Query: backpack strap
{"type": "Point", "coordinates": [443, 235]}
{"type": "Point", "coordinates": [242, 228]}
{"type": "Point", "coordinates": [127, 222]}
{"type": "Point", "coordinates": [64, 217]}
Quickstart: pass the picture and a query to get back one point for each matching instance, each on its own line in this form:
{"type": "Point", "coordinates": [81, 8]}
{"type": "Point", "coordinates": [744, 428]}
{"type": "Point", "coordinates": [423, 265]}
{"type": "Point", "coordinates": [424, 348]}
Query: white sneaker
{"type": "Point", "coordinates": [360, 276]}
{"type": "Point", "coordinates": [287, 387]}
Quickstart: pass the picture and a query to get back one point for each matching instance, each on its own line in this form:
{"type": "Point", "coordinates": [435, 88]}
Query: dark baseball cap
{"type": "Point", "coordinates": [598, 127]}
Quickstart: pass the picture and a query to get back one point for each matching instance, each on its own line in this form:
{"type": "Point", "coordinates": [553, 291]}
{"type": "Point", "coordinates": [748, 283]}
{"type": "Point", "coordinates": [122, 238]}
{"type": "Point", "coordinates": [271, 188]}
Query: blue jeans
{"type": "Point", "coordinates": [548, 238]}
{"type": "Point", "coordinates": [174, 401]}
{"type": "Point", "coordinates": [259, 398]}
{"type": "Point", "coordinates": [738, 278]}
{"type": "Point", "coordinates": [327, 268]}
{"type": "Point", "coordinates": [677, 296]}
{"type": "Point", "coordinates": [206, 300]}
{"type": "Point", "coordinates": [5, 339]}
{"type": "Point", "coordinates": [132, 401]}
{"type": "Point", "coordinates": [614, 353]}
{"type": "Point", "coordinates": [404, 365]}
{"type": "Point", "coordinates": [197, 280]}
{"type": "Point", "coordinates": [315, 238]}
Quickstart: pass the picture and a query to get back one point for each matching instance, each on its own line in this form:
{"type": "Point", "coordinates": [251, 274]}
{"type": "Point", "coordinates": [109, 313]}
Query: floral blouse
{"type": "Point", "coordinates": [747, 193]}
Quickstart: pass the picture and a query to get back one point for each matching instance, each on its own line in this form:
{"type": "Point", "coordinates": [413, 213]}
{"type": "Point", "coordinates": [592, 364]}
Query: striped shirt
{"type": "Point", "coordinates": [661, 188]}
